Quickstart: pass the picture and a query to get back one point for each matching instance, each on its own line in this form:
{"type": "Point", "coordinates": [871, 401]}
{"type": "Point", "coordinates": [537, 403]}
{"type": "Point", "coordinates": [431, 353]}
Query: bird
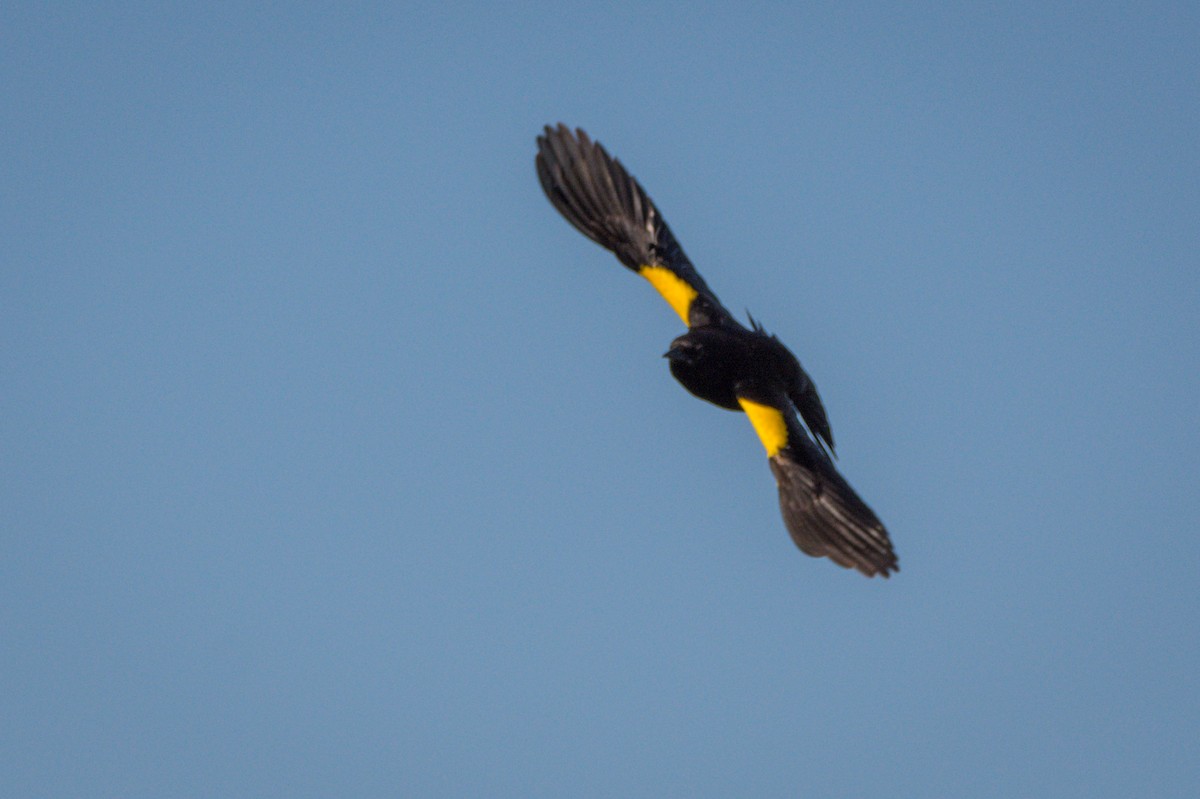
{"type": "Point", "coordinates": [718, 359]}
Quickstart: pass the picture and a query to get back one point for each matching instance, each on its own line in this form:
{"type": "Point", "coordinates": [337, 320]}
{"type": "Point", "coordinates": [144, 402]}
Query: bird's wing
{"type": "Point", "coordinates": [823, 514]}
{"type": "Point", "coordinates": [603, 201]}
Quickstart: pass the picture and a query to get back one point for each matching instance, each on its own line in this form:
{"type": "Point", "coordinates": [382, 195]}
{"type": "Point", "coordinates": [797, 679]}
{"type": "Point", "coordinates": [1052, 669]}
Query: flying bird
{"type": "Point", "coordinates": [719, 359]}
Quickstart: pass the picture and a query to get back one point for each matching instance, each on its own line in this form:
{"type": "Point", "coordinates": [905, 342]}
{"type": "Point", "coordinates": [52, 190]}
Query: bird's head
{"type": "Point", "coordinates": [683, 351]}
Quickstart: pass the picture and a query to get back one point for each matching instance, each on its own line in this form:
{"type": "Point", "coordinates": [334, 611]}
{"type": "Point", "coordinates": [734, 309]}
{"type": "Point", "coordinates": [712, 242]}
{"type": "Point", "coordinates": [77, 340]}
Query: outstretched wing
{"type": "Point", "coordinates": [603, 201]}
{"type": "Point", "coordinates": [823, 514]}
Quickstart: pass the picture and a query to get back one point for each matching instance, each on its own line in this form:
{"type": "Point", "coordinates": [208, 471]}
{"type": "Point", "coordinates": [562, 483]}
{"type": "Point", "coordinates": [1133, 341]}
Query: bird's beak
{"type": "Point", "coordinates": [675, 354]}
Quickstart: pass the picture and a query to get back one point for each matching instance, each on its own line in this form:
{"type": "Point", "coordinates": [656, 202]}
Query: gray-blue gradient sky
{"type": "Point", "coordinates": [333, 462]}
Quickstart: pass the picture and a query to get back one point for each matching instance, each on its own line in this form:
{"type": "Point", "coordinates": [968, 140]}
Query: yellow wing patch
{"type": "Point", "coordinates": [675, 291]}
{"type": "Point", "coordinates": [768, 423]}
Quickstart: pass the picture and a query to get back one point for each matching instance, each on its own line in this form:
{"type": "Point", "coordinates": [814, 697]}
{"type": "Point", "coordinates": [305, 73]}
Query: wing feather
{"type": "Point", "coordinates": [823, 514]}
{"type": "Point", "coordinates": [595, 193]}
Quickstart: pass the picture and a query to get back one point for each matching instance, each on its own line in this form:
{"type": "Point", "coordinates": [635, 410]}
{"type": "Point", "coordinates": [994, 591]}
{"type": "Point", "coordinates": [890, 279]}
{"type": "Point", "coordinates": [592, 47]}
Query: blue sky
{"type": "Point", "coordinates": [335, 463]}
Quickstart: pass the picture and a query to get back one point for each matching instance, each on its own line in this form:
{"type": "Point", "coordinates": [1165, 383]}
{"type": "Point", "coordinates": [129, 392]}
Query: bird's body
{"type": "Point", "coordinates": [719, 359]}
{"type": "Point", "coordinates": [709, 361]}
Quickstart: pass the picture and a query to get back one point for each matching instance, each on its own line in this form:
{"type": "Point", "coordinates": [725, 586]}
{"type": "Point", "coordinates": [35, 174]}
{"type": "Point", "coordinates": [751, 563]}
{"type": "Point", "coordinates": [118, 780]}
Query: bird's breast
{"type": "Point", "coordinates": [710, 381]}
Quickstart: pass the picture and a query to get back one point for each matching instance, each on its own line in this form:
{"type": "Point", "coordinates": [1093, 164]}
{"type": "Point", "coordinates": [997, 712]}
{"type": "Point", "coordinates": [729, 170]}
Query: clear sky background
{"type": "Point", "coordinates": [335, 463]}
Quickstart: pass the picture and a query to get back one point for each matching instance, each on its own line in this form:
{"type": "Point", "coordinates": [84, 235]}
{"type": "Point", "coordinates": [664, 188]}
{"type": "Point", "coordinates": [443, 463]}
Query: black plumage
{"type": "Point", "coordinates": [719, 359]}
